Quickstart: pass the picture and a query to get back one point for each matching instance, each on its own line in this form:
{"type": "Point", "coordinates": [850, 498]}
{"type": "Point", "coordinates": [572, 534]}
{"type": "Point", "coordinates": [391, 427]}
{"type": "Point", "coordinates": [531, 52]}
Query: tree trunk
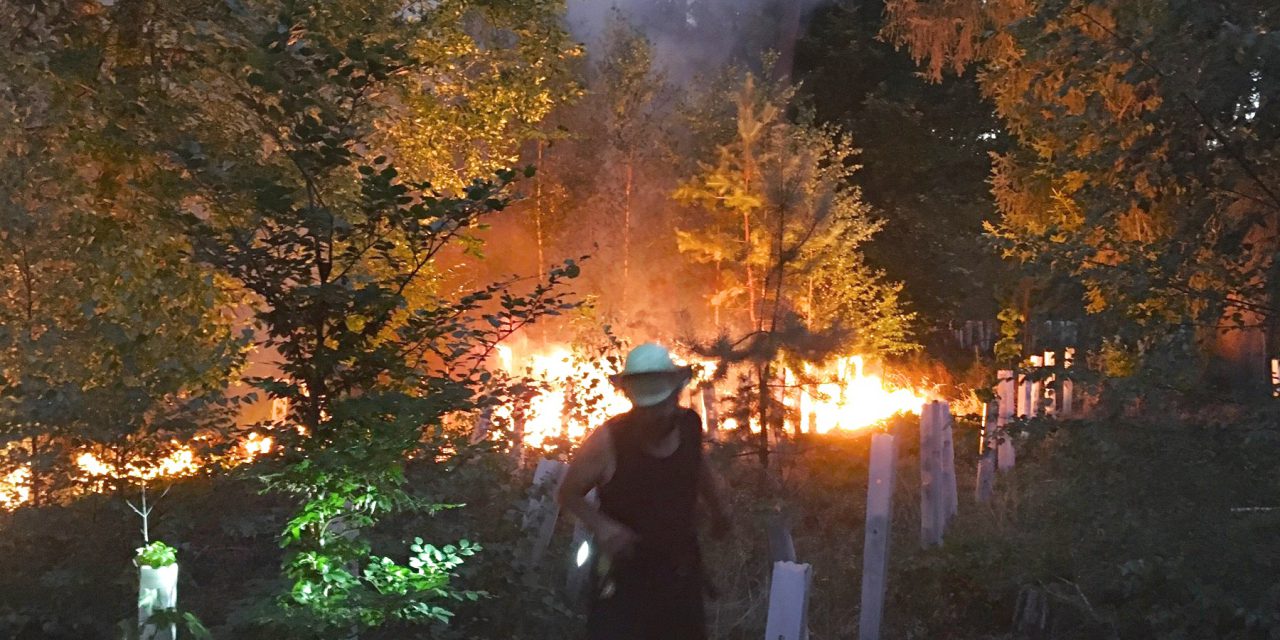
{"type": "Point", "coordinates": [626, 224]}
{"type": "Point", "coordinates": [537, 215]}
{"type": "Point", "coordinates": [34, 465]}
{"type": "Point", "coordinates": [751, 277]}
{"type": "Point", "coordinates": [762, 373]}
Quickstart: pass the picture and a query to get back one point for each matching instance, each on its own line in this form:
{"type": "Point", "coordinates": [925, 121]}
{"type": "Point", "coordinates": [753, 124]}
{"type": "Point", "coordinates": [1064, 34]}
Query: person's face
{"type": "Point", "coordinates": [660, 411]}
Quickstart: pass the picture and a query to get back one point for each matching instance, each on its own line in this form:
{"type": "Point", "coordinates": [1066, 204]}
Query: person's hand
{"type": "Point", "coordinates": [614, 538]}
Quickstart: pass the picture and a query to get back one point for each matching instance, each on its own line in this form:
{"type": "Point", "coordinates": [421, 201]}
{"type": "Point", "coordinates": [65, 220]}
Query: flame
{"type": "Point", "coordinates": [15, 488]}
{"type": "Point", "coordinates": [576, 396]}
{"type": "Point", "coordinates": [177, 463]}
{"type": "Point", "coordinates": [854, 400]}
{"type": "Point", "coordinates": [257, 445]}
{"type": "Point", "coordinates": [579, 397]}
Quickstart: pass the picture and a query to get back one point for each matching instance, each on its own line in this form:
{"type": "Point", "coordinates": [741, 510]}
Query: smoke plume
{"type": "Point", "coordinates": [695, 38]}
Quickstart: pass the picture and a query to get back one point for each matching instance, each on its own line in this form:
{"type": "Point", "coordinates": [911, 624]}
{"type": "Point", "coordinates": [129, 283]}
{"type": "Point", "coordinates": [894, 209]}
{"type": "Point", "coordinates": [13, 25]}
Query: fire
{"type": "Point", "coordinates": [854, 400]}
{"type": "Point", "coordinates": [15, 488]}
{"type": "Point", "coordinates": [578, 397]}
{"type": "Point", "coordinates": [257, 445]}
{"type": "Point", "coordinates": [177, 463]}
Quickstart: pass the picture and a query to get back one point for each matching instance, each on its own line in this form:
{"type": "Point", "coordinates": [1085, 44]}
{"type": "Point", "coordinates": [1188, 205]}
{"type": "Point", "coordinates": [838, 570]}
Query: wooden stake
{"type": "Point", "coordinates": [1051, 385]}
{"type": "Point", "coordinates": [875, 548]}
{"type": "Point", "coordinates": [782, 548]}
{"type": "Point", "coordinates": [788, 602]}
{"type": "Point", "coordinates": [986, 480]}
{"type": "Point", "coordinates": [990, 415]}
{"type": "Point", "coordinates": [1024, 396]}
{"type": "Point", "coordinates": [483, 423]}
{"type": "Point", "coordinates": [517, 447]}
{"type": "Point", "coordinates": [986, 483]}
{"type": "Point", "coordinates": [1005, 393]}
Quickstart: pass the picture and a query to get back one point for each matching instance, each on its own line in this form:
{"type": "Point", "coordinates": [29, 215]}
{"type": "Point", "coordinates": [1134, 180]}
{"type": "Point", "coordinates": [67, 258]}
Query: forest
{"type": "Point", "coordinates": [304, 304]}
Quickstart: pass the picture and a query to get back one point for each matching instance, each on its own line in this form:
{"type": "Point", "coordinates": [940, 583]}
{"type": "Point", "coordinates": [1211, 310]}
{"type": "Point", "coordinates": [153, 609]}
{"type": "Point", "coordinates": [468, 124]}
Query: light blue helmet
{"type": "Point", "coordinates": [650, 376]}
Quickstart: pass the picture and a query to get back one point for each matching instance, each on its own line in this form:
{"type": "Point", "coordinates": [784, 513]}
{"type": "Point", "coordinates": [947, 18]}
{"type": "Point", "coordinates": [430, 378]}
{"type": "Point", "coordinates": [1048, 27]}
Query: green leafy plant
{"type": "Point", "coordinates": [340, 248]}
{"type": "Point", "coordinates": [156, 554]}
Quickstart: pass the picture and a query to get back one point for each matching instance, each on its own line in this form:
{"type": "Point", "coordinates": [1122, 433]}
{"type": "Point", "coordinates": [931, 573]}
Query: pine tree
{"type": "Point", "coordinates": [778, 200]}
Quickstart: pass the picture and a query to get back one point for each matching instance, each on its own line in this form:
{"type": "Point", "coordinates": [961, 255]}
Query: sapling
{"type": "Point", "coordinates": [157, 564]}
{"type": "Point", "coordinates": [144, 512]}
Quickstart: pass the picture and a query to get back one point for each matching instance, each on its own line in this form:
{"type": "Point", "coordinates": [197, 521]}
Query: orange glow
{"type": "Point", "coordinates": [579, 397]}
{"type": "Point", "coordinates": [177, 463]}
{"type": "Point", "coordinates": [15, 488]}
{"type": "Point", "coordinates": [257, 445]}
{"type": "Point", "coordinates": [854, 400]}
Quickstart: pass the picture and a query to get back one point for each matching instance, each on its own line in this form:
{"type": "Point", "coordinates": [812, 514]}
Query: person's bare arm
{"type": "Point", "coordinates": [587, 470]}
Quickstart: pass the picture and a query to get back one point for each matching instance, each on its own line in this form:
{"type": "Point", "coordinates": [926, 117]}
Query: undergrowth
{"type": "Point", "coordinates": [1128, 530]}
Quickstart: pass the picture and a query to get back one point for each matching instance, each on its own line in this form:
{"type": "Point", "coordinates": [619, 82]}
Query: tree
{"type": "Point", "coordinates": [925, 150]}
{"type": "Point", "coordinates": [1142, 175]}
{"type": "Point", "coordinates": [492, 73]}
{"type": "Point", "coordinates": [114, 344]}
{"type": "Point", "coordinates": [605, 177]}
{"type": "Point", "coordinates": [329, 238]}
{"type": "Point", "coordinates": [631, 93]}
{"type": "Point", "coordinates": [778, 200]}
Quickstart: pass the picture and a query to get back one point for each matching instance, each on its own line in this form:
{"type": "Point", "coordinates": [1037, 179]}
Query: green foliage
{"type": "Point", "coordinates": [492, 73]}
{"type": "Point", "coordinates": [781, 216]}
{"type": "Point", "coordinates": [1141, 186]}
{"type": "Point", "coordinates": [1130, 530]}
{"type": "Point", "coordinates": [113, 341]}
{"type": "Point", "coordinates": [924, 155]}
{"type": "Point", "coordinates": [1008, 347]}
{"type": "Point", "coordinates": [156, 554]}
{"type": "Point", "coordinates": [779, 227]}
{"type": "Point", "coordinates": [1118, 527]}
{"type": "Point", "coordinates": [330, 238]}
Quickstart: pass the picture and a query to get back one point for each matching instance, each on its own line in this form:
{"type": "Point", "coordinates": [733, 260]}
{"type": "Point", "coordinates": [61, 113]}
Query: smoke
{"type": "Point", "coordinates": [694, 39]}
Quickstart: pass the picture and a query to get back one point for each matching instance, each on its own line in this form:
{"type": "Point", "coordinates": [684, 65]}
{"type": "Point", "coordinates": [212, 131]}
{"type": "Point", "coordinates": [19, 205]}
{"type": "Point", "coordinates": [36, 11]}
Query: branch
{"type": "Point", "coordinates": [1195, 106]}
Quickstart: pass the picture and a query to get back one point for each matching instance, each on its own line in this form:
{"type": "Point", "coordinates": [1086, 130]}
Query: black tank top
{"type": "Point", "coordinates": [656, 497]}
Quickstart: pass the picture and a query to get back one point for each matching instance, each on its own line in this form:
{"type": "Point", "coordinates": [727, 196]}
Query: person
{"type": "Point", "coordinates": [648, 469]}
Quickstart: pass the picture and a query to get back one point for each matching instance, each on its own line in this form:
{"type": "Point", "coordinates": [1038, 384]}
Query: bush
{"type": "Point", "coordinates": [1127, 530]}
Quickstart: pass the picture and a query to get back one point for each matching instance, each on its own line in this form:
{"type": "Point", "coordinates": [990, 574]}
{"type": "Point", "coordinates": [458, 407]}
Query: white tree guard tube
{"type": "Point", "coordinates": [157, 591]}
{"type": "Point", "coordinates": [788, 602]}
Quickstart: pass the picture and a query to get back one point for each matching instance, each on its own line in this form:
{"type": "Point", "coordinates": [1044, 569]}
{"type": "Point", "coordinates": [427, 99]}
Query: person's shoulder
{"type": "Point", "coordinates": [602, 436]}
{"type": "Point", "coordinates": [690, 420]}
{"type": "Point", "coordinates": [689, 415]}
